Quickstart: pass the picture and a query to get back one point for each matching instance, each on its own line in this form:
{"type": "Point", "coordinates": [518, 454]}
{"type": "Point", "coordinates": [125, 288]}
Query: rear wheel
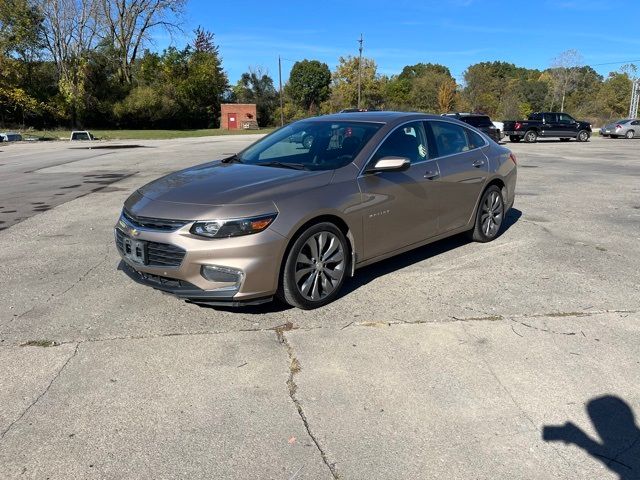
{"type": "Point", "coordinates": [514, 138]}
{"type": "Point", "coordinates": [315, 267]}
{"type": "Point", "coordinates": [531, 136]}
{"type": "Point", "coordinates": [583, 136]}
{"type": "Point", "coordinates": [630, 134]}
{"type": "Point", "coordinates": [489, 216]}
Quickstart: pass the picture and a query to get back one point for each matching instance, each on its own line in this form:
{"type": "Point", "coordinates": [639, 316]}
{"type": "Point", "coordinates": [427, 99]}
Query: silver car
{"type": "Point", "coordinates": [627, 127]}
{"type": "Point", "coordinates": [295, 220]}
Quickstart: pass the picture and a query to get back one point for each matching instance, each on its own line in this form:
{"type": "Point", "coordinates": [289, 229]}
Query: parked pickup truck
{"type": "Point", "coordinates": [547, 125]}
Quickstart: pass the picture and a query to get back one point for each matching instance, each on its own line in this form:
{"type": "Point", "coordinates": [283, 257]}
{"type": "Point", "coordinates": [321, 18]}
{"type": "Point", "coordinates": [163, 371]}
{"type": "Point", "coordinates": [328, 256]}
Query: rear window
{"type": "Point", "coordinates": [478, 121]}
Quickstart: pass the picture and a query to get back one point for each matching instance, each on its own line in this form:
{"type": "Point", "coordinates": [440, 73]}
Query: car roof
{"type": "Point", "coordinates": [383, 116]}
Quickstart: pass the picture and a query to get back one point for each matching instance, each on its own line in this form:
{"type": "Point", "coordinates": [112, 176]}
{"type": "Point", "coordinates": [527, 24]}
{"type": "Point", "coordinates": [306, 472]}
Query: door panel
{"type": "Point", "coordinates": [399, 209]}
{"type": "Point", "coordinates": [232, 120]}
{"type": "Point", "coordinates": [462, 174]}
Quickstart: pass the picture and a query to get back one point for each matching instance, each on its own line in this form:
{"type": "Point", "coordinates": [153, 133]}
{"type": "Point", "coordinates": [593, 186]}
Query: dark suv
{"type": "Point", "coordinates": [481, 122]}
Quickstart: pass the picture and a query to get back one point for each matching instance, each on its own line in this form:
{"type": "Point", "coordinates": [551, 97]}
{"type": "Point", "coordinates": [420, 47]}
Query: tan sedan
{"type": "Point", "coordinates": [293, 220]}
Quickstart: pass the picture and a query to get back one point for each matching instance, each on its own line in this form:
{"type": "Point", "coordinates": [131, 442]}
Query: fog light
{"type": "Point", "coordinates": [216, 273]}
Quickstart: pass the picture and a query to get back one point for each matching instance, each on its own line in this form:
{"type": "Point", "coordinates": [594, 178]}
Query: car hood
{"type": "Point", "coordinates": [206, 189]}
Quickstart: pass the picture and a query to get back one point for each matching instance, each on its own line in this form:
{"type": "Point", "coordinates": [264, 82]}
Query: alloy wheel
{"type": "Point", "coordinates": [320, 266]}
{"type": "Point", "coordinates": [492, 214]}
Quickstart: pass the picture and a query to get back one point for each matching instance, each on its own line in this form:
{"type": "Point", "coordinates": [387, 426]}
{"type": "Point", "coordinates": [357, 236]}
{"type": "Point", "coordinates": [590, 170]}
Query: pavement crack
{"type": "Point", "coordinates": [80, 279]}
{"type": "Point", "coordinates": [44, 392]}
{"type": "Point", "coordinates": [295, 368]}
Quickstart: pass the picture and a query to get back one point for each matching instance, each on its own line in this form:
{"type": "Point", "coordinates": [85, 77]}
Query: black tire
{"type": "Point", "coordinates": [630, 134]}
{"type": "Point", "coordinates": [307, 141]}
{"type": "Point", "coordinates": [583, 136]}
{"type": "Point", "coordinates": [565, 139]}
{"type": "Point", "coordinates": [514, 138]}
{"type": "Point", "coordinates": [488, 210]}
{"type": "Point", "coordinates": [321, 276]}
{"type": "Point", "coordinates": [531, 136]}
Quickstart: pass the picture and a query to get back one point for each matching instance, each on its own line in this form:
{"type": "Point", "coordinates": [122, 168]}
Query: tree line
{"type": "Point", "coordinates": [86, 63]}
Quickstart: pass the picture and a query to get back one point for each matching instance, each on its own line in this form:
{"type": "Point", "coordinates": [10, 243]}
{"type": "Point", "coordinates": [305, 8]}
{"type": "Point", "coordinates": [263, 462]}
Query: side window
{"type": "Point", "coordinates": [565, 119]}
{"type": "Point", "coordinates": [635, 122]}
{"type": "Point", "coordinates": [550, 118]}
{"type": "Point", "coordinates": [407, 141]}
{"type": "Point", "coordinates": [450, 138]}
{"type": "Point", "coordinates": [475, 140]}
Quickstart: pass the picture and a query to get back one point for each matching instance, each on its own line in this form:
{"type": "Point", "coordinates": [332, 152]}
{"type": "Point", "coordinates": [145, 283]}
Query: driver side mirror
{"type": "Point", "coordinates": [390, 164]}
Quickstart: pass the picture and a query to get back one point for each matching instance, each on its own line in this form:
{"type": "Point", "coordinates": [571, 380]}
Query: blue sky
{"type": "Point", "coordinates": [455, 33]}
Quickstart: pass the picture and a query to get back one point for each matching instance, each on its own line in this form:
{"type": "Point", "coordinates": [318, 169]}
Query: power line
{"type": "Point", "coordinates": [611, 63]}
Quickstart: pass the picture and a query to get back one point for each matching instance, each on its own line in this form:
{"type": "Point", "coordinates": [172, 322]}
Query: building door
{"type": "Point", "coordinates": [232, 121]}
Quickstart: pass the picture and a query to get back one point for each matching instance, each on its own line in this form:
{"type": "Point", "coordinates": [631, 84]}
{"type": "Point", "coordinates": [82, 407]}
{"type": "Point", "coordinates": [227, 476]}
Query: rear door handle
{"type": "Point", "coordinates": [478, 163]}
{"type": "Point", "coordinates": [430, 174]}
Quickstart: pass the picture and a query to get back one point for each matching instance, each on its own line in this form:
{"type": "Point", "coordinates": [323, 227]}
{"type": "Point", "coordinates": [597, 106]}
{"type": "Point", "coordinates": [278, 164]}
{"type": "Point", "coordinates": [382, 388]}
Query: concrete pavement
{"type": "Point", "coordinates": [446, 362]}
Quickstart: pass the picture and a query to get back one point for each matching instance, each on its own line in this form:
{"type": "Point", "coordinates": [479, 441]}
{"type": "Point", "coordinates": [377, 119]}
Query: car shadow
{"type": "Point", "coordinates": [366, 274]}
{"type": "Point", "coordinates": [618, 447]}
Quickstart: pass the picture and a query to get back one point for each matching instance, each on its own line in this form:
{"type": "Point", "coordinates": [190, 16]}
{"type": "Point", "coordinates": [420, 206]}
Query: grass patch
{"type": "Point", "coordinates": [39, 343]}
{"type": "Point", "coordinates": [140, 134]}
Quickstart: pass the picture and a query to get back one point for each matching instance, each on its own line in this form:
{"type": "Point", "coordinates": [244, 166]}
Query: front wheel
{"type": "Point", "coordinates": [489, 216]}
{"type": "Point", "coordinates": [583, 136]}
{"type": "Point", "coordinates": [630, 134]}
{"type": "Point", "coordinates": [531, 136]}
{"type": "Point", "coordinates": [315, 267]}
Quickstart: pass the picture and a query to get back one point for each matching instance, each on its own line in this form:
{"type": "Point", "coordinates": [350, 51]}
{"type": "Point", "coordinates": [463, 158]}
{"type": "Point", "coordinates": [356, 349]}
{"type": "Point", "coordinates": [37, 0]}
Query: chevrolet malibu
{"type": "Point", "coordinates": [294, 220]}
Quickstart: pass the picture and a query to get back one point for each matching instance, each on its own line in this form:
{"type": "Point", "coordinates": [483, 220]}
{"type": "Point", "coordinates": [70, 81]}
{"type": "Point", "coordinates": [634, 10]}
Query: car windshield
{"type": "Point", "coordinates": [624, 120]}
{"type": "Point", "coordinates": [311, 145]}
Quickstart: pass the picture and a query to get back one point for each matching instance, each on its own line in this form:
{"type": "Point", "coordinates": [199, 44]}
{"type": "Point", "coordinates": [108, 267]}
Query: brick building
{"type": "Point", "coordinates": [235, 116]}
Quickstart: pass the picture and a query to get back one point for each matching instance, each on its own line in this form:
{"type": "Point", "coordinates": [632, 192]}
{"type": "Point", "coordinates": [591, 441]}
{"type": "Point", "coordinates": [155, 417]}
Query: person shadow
{"type": "Point", "coordinates": [619, 445]}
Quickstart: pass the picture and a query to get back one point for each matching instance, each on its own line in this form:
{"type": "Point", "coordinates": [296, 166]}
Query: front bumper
{"type": "Point", "coordinates": [257, 256]}
{"type": "Point", "coordinates": [187, 291]}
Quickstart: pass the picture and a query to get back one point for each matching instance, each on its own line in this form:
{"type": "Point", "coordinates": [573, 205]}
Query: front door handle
{"type": "Point", "coordinates": [430, 174]}
{"type": "Point", "coordinates": [478, 163]}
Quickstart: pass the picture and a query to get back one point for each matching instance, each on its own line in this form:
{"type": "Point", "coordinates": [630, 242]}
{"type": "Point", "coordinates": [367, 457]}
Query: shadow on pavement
{"type": "Point", "coordinates": [619, 435]}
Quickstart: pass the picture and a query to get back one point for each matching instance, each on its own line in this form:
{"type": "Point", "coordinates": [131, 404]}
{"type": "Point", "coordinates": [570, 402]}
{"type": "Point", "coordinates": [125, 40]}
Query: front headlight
{"type": "Point", "coordinates": [233, 227]}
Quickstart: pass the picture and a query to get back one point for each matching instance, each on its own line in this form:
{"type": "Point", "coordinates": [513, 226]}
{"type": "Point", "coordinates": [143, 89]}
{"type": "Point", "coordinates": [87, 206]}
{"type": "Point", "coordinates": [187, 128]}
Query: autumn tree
{"type": "Point", "coordinates": [344, 84]}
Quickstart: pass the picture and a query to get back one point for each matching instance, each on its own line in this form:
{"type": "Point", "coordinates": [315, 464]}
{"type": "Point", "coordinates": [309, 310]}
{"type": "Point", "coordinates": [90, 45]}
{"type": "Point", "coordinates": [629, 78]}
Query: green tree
{"type": "Point", "coordinates": [255, 86]}
{"type": "Point", "coordinates": [614, 97]}
{"type": "Point", "coordinates": [308, 84]}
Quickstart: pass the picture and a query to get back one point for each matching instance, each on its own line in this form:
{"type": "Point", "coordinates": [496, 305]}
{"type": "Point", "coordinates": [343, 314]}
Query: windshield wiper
{"type": "Point", "coordinates": [275, 163]}
{"type": "Point", "coordinates": [232, 159]}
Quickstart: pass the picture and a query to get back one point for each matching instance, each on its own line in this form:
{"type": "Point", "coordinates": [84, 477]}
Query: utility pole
{"type": "Point", "coordinates": [281, 99]}
{"type": "Point", "coordinates": [360, 70]}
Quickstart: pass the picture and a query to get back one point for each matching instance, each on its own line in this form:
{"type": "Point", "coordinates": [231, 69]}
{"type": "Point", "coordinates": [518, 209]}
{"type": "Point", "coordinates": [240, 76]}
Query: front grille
{"type": "Point", "coordinates": [161, 224]}
{"type": "Point", "coordinates": [158, 254]}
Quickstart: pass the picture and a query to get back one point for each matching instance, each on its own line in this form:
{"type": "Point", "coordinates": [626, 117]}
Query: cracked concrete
{"type": "Point", "coordinates": [294, 369]}
{"type": "Point", "coordinates": [445, 362]}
